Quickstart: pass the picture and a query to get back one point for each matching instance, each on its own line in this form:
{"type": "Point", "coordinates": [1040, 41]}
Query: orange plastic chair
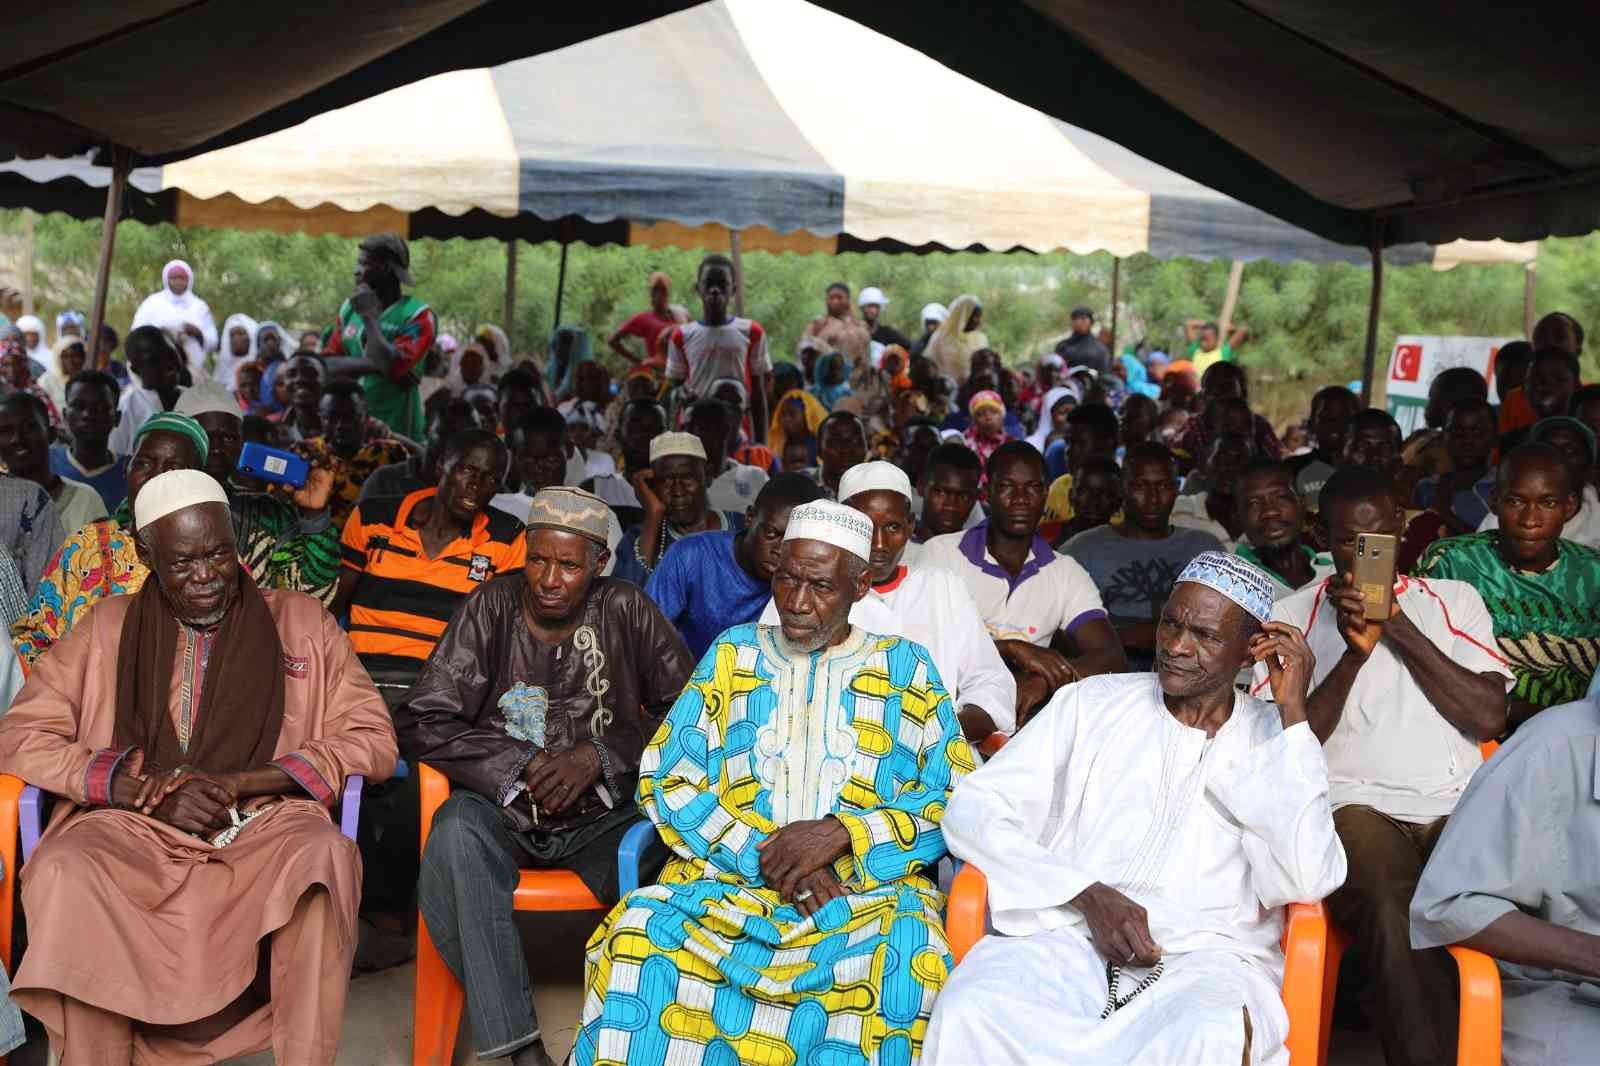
{"type": "Point", "coordinates": [10, 799]}
{"type": "Point", "coordinates": [440, 996]}
{"type": "Point", "coordinates": [1305, 938]}
{"type": "Point", "coordinates": [1478, 998]}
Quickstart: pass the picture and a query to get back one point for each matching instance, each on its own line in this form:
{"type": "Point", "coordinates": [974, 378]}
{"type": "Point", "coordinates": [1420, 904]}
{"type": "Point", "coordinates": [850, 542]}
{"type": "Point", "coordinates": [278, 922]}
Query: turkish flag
{"type": "Point", "coordinates": [1407, 362]}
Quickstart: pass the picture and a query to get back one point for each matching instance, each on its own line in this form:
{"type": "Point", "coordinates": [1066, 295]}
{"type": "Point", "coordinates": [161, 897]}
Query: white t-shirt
{"type": "Point", "coordinates": [1190, 513]}
{"type": "Point", "coordinates": [735, 489]}
{"type": "Point", "coordinates": [78, 505]}
{"type": "Point", "coordinates": [136, 405]}
{"type": "Point", "coordinates": [700, 355]}
{"type": "Point", "coordinates": [1584, 527]}
{"type": "Point", "coordinates": [1052, 593]}
{"type": "Point", "coordinates": [933, 608]}
{"type": "Point", "coordinates": [1391, 749]}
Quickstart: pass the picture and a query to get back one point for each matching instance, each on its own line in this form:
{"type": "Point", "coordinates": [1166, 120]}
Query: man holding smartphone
{"type": "Point", "coordinates": [1400, 705]}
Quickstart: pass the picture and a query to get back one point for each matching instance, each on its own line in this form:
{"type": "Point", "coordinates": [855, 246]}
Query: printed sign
{"type": "Point", "coordinates": [1416, 361]}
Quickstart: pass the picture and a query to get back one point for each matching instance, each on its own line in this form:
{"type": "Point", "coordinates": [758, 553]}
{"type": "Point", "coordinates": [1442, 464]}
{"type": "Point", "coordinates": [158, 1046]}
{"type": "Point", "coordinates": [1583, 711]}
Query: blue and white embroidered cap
{"type": "Point", "coordinates": [832, 523]}
{"type": "Point", "coordinates": [1242, 582]}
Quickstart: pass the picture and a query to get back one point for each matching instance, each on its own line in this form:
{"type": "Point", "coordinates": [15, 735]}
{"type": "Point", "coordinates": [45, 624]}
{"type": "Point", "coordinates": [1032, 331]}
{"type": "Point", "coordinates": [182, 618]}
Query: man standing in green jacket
{"type": "Point", "coordinates": [383, 335]}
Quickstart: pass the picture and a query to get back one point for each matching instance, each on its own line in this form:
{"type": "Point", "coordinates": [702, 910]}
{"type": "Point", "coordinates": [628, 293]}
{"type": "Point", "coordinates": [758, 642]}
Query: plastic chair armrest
{"type": "Point", "coordinates": [1478, 1040]}
{"type": "Point", "coordinates": [1305, 956]}
{"type": "Point", "coordinates": [966, 910]}
{"type": "Point", "coordinates": [30, 808]}
{"type": "Point", "coordinates": [10, 812]}
{"type": "Point", "coordinates": [350, 805]}
{"type": "Point", "coordinates": [630, 853]}
{"type": "Point", "coordinates": [434, 788]}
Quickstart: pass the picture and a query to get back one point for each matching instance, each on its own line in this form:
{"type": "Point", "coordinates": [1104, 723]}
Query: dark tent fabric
{"type": "Point", "coordinates": [170, 79]}
{"type": "Point", "coordinates": [1427, 121]}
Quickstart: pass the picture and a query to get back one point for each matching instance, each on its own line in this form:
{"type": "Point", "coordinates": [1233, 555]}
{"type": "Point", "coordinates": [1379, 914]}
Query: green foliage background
{"type": "Point", "coordinates": [1307, 321]}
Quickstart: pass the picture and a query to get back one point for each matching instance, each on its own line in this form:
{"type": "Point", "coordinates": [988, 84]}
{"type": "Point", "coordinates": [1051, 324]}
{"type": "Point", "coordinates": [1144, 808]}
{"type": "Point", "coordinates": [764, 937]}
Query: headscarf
{"type": "Point", "coordinates": [815, 413]}
{"type": "Point", "coordinates": [1041, 437]}
{"type": "Point", "coordinates": [53, 382]}
{"type": "Point", "coordinates": [951, 346]}
{"type": "Point", "coordinates": [40, 352]}
{"type": "Point", "coordinates": [227, 362]}
{"type": "Point", "coordinates": [979, 442]}
{"type": "Point", "coordinates": [270, 326]}
{"type": "Point", "coordinates": [559, 381]}
{"type": "Point", "coordinates": [169, 311]}
{"type": "Point", "coordinates": [829, 395]}
{"type": "Point", "coordinates": [71, 318]}
{"type": "Point", "coordinates": [269, 378]}
{"type": "Point", "coordinates": [902, 380]}
{"type": "Point", "coordinates": [1139, 378]}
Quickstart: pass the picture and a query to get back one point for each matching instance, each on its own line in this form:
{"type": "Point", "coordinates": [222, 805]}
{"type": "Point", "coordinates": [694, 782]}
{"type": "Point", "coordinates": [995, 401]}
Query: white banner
{"type": "Point", "coordinates": [1417, 360]}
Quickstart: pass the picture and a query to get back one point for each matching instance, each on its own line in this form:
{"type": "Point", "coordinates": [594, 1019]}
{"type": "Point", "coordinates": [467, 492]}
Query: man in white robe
{"type": "Point", "coordinates": [928, 605]}
{"type": "Point", "coordinates": [1140, 839]}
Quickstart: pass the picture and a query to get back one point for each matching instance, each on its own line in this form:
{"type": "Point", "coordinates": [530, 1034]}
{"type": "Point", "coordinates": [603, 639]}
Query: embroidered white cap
{"type": "Point", "coordinates": [174, 491]}
{"type": "Point", "coordinates": [876, 476]}
{"type": "Point", "coordinates": [666, 444]}
{"type": "Point", "coordinates": [832, 523]}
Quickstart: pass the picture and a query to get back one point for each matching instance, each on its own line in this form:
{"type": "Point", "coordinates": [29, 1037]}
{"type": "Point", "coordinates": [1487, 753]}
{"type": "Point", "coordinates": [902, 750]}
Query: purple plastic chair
{"type": "Point", "coordinates": [31, 813]}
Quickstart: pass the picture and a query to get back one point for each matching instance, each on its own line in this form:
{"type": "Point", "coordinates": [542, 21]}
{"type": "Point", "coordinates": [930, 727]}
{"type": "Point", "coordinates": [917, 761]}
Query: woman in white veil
{"type": "Point", "coordinates": [181, 313]}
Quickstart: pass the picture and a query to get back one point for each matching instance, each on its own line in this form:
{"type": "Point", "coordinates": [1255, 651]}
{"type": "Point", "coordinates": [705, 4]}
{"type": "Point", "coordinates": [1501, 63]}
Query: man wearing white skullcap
{"type": "Point", "coordinates": [799, 782]}
{"type": "Point", "coordinates": [872, 301]}
{"type": "Point", "coordinates": [674, 496]}
{"type": "Point", "coordinates": [198, 733]}
{"type": "Point", "coordinates": [925, 604]}
{"type": "Point", "coordinates": [1138, 845]}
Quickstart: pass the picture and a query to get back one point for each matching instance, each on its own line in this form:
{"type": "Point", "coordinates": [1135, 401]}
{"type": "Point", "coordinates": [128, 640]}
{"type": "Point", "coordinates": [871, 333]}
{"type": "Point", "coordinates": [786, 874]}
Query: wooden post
{"type": "Point", "coordinates": [121, 164]}
{"type": "Point", "coordinates": [561, 284]}
{"type": "Point", "coordinates": [1369, 359]}
{"type": "Point", "coordinates": [1225, 322]}
{"type": "Point", "coordinates": [1116, 292]}
{"type": "Point", "coordinates": [511, 288]}
{"type": "Point", "coordinates": [27, 265]}
{"type": "Point", "coordinates": [735, 252]}
{"type": "Point", "coordinates": [1528, 283]}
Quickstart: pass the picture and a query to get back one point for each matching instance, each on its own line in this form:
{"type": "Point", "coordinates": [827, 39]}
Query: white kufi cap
{"type": "Point", "coordinates": [872, 295]}
{"type": "Point", "coordinates": [934, 312]}
{"type": "Point", "coordinates": [175, 490]}
{"type": "Point", "coordinates": [876, 476]}
{"type": "Point", "coordinates": [832, 523]}
{"type": "Point", "coordinates": [206, 398]}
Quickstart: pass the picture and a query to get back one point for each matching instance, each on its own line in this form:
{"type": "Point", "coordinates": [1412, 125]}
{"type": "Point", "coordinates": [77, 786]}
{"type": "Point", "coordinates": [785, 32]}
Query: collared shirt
{"type": "Point", "coordinates": [701, 588]}
{"type": "Point", "coordinates": [404, 599]}
{"type": "Point", "coordinates": [1050, 594]}
{"type": "Point", "coordinates": [1392, 750]}
{"type": "Point", "coordinates": [1321, 567]}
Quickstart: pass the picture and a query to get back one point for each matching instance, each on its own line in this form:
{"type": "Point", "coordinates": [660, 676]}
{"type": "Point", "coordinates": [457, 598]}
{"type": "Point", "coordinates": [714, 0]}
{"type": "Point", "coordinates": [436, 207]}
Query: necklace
{"type": "Point", "coordinates": [1114, 1002]}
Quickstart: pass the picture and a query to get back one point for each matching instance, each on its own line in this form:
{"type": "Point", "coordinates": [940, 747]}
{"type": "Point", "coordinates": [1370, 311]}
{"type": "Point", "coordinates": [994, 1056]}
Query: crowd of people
{"type": "Point", "coordinates": [1087, 622]}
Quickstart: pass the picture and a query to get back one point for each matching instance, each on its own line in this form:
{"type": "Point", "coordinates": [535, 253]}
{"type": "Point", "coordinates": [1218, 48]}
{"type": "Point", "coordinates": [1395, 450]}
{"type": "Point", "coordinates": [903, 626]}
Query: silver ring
{"type": "Point", "coordinates": [801, 897]}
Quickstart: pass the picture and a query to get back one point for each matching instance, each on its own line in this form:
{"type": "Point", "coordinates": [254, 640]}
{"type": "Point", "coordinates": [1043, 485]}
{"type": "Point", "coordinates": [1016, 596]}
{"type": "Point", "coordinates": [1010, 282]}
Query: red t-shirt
{"type": "Point", "coordinates": [648, 327]}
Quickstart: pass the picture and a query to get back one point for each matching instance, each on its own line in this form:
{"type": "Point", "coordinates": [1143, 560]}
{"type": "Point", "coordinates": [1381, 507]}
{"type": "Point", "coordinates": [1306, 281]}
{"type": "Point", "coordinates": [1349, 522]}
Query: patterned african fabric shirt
{"type": "Point", "coordinates": [710, 965]}
{"type": "Point", "coordinates": [350, 474]}
{"type": "Point", "coordinates": [99, 560]}
{"type": "Point", "coordinates": [1546, 624]}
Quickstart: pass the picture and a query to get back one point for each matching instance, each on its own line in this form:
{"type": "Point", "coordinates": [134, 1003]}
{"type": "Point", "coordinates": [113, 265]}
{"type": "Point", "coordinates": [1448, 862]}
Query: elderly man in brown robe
{"type": "Point", "coordinates": [536, 703]}
{"type": "Point", "coordinates": [192, 900]}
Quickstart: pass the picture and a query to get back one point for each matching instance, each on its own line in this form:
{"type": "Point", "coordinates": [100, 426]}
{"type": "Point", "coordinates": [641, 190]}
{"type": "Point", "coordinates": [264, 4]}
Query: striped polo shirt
{"type": "Point", "coordinates": [403, 599]}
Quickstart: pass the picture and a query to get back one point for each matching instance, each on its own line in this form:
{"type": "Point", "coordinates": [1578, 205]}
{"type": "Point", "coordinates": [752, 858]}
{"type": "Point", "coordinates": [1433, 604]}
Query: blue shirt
{"type": "Point", "coordinates": [111, 483]}
{"type": "Point", "coordinates": [1470, 502]}
{"type": "Point", "coordinates": [702, 589]}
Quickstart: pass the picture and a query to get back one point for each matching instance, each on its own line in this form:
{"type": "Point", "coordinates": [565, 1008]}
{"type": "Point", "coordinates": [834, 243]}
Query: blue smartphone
{"type": "Point", "coordinates": [272, 464]}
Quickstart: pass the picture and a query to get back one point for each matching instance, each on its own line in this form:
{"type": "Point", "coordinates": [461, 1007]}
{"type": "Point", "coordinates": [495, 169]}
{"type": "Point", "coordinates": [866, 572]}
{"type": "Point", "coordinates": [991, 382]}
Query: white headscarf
{"type": "Point", "coordinates": [1051, 398]}
{"type": "Point", "coordinates": [171, 312]}
{"type": "Point", "coordinates": [952, 345]}
{"type": "Point", "coordinates": [40, 353]}
{"type": "Point", "coordinates": [227, 362]}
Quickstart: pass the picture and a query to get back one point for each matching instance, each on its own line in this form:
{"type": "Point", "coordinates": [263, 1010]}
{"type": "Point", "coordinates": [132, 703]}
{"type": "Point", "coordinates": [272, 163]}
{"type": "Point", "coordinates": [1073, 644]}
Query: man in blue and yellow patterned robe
{"type": "Point", "coordinates": [799, 780]}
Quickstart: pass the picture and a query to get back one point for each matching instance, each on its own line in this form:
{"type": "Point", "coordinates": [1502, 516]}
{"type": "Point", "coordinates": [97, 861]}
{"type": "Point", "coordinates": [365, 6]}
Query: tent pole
{"type": "Point", "coordinates": [1231, 300]}
{"type": "Point", "coordinates": [561, 284]}
{"type": "Point", "coordinates": [121, 164]}
{"type": "Point", "coordinates": [1528, 284]}
{"type": "Point", "coordinates": [511, 287]}
{"type": "Point", "coordinates": [1374, 307]}
{"type": "Point", "coordinates": [27, 261]}
{"type": "Point", "coordinates": [735, 252]}
{"type": "Point", "coordinates": [1116, 290]}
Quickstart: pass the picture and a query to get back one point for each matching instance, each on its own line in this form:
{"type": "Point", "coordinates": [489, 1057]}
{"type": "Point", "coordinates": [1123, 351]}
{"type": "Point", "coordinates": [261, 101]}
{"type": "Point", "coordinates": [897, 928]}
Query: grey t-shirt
{"type": "Point", "coordinates": [1136, 576]}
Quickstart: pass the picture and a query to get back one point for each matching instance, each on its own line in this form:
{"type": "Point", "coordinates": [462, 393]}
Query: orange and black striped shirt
{"type": "Point", "coordinates": [403, 599]}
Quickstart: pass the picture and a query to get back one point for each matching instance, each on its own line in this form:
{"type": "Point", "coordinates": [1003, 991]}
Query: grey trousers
{"type": "Point", "coordinates": [470, 870]}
